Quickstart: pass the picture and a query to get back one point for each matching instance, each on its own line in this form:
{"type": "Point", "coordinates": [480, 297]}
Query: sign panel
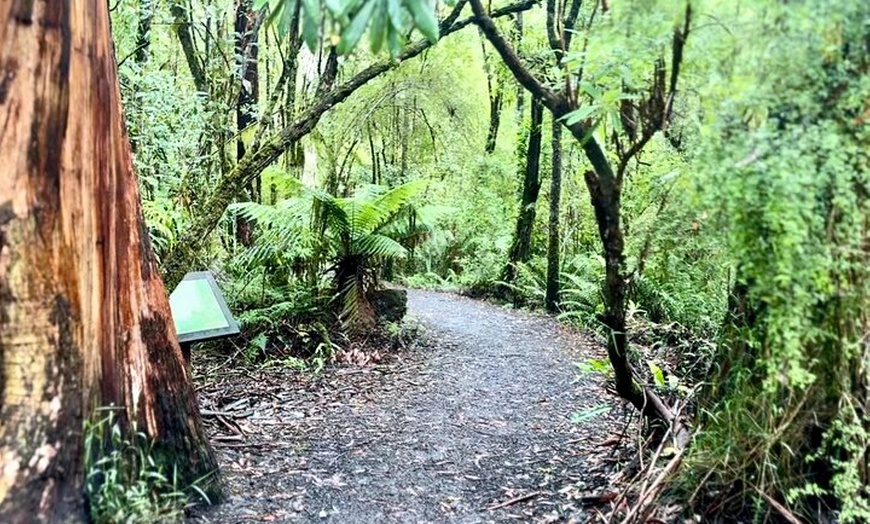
{"type": "Point", "coordinates": [199, 309]}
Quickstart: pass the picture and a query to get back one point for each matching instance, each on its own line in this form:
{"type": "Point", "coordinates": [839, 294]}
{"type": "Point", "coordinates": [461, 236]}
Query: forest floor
{"type": "Point", "coordinates": [471, 424]}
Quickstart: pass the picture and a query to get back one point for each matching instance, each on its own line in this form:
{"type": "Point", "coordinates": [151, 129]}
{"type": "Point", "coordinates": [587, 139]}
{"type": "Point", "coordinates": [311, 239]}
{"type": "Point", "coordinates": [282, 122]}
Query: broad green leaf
{"type": "Point", "coordinates": [394, 7]}
{"type": "Point", "coordinates": [424, 18]}
{"type": "Point", "coordinates": [333, 6]}
{"type": "Point", "coordinates": [378, 29]}
{"type": "Point", "coordinates": [311, 23]}
{"type": "Point", "coordinates": [581, 113]}
{"type": "Point", "coordinates": [349, 6]}
{"type": "Point", "coordinates": [658, 374]}
{"type": "Point", "coordinates": [394, 40]}
{"type": "Point", "coordinates": [352, 33]}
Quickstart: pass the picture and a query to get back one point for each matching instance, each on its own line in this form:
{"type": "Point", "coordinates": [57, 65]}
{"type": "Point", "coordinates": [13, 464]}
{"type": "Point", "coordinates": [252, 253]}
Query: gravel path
{"type": "Point", "coordinates": [474, 426]}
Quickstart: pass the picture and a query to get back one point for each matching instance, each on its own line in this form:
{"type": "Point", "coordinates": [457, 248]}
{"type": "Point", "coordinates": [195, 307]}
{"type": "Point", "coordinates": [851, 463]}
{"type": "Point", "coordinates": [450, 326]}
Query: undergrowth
{"type": "Point", "coordinates": [125, 480]}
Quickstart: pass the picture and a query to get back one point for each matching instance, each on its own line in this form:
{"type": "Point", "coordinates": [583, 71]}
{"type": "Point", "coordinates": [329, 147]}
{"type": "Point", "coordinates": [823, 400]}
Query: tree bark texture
{"type": "Point", "coordinates": [84, 316]}
{"type": "Point", "coordinates": [551, 300]}
{"type": "Point", "coordinates": [246, 104]}
{"type": "Point", "coordinates": [522, 243]}
{"type": "Point", "coordinates": [495, 89]}
{"type": "Point", "coordinates": [182, 30]}
{"type": "Point", "coordinates": [495, 103]}
{"type": "Point", "coordinates": [143, 35]}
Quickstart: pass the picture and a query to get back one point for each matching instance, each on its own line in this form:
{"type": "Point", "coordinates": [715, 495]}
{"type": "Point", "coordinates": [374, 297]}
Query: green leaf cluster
{"type": "Point", "coordinates": [388, 22]}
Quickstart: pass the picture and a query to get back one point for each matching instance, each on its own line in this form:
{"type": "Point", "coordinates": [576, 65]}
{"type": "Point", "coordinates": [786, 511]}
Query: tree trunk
{"type": "Point", "coordinates": [521, 246]}
{"type": "Point", "coordinates": [552, 297]}
{"type": "Point", "coordinates": [246, 103]}
{"type": "Point", "coordinates": [605, 187]}
{"type": "Point", "coordinates": [182, 30]}
{"type": "Point", "coordinates": [495, 103]}
{"type": "Point", "coordinates": [518, 41]}
{"type": "Point", "coordinates": [84, 316]}
{"type": "Point", "coordinates": [143, 37]}
{"type": "Point", "coordinates": [495, 89]}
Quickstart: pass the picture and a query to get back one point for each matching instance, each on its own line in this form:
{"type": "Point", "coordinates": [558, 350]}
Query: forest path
{"type": "Point", "coordinates": [472, 426]}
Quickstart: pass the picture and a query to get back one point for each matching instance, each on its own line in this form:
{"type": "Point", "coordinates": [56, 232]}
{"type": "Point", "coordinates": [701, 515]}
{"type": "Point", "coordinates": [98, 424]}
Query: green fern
{"type": "Point", "coordinates": [346, 237]}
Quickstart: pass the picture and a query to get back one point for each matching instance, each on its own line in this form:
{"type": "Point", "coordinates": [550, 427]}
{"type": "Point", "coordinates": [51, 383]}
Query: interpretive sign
{"type": "Point", "coordinates": [199, 309]}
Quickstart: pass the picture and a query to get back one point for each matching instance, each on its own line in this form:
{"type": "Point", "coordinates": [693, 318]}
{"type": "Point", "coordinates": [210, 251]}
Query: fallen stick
{"type": "Point", "coordinates": [515, 500]}
{"type": "Point", "coordinates": [786, 514]}
{"type": "Point", "coordinates": [648, 495]}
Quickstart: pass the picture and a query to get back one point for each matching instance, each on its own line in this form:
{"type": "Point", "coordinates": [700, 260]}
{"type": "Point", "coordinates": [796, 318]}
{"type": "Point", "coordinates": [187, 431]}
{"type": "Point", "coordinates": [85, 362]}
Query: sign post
{"type": "Point", "coordinates": [200, 311]}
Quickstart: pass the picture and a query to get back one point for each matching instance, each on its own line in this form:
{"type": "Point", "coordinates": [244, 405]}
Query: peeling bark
{"type": "Point", "coordinates": [84, 316]}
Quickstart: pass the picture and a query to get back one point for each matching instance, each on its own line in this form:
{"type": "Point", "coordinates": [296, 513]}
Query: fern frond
{"type": "Point", "coordinates": [378, 246]}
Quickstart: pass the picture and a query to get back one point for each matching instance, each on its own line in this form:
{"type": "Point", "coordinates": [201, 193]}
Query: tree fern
{"type": "Point", "coordinates": [351, 234]}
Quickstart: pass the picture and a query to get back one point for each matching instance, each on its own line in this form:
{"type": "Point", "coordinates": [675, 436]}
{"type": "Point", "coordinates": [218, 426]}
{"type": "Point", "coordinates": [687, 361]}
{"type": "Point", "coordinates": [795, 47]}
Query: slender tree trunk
{"type": "Point", "coordinates": [246, 103]}
{"type": "Point", "coordinates": [521, 246]}
{"type": "Point", "coordinates": [495, 102]}
{"type": "Point", "coordinates": [182, 30]}
{"type": "Point", "coordinates": [84, 316]}
{"type": "Point", "coordinates": [552, 296]}
{"type": "Point", "coordinates": [140, 56]}
{"type": "Point", "coordinates": [495, 89]}
{"type": "Point", "coordinates": [518, 43]}
{"type": "Point", "coordinates": [605, 188]}
{"type": "Point", "coordinates": [143, 37]}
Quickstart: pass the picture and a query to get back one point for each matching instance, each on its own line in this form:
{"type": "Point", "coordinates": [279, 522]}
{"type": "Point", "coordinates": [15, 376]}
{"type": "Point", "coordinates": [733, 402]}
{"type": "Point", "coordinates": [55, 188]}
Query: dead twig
{"type": "Point", "coordinates": [515, 500]}
{"type": "Point", "coordinates": [786, 514]}
{"type": "Point", "coordinates": [644, 505]}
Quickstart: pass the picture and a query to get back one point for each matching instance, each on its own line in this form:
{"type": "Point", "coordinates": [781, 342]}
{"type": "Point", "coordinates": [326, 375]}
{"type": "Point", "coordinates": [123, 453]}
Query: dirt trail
{"type": "Point", "coordinates": [473, 426]}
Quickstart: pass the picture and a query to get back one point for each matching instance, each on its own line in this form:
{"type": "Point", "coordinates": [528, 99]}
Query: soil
{"type": "Point", "coordinates": [471, 424]}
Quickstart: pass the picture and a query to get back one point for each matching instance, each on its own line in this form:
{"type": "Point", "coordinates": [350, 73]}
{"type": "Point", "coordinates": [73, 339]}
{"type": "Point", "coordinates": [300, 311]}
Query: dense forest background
{"type": "Point", "coordinates": [729, 248]}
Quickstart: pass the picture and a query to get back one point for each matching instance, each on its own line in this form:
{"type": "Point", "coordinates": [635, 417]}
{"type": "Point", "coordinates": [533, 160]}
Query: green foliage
{"type": "Point", "coordinates": [754, 198]}
{"type": "Point", "coordinates": [126, 481]}
{"type": "Point", "coordinates": [387, 21]}
{"type": "Point", "coordinates": [358, 234]}
{"type": "Point", "coordinates": [789, 184]}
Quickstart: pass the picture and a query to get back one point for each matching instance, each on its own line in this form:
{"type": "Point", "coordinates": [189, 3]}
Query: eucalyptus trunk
{"type": "Point", "coordinates": [84, 315]}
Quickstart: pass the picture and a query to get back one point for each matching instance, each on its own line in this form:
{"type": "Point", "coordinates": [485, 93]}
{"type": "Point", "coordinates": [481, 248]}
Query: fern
{"type": "Point", "coordinates": [346, 237]}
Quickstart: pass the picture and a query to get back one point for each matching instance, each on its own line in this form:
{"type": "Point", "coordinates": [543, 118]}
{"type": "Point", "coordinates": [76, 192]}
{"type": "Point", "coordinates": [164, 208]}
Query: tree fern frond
{"type": "Point", "coordinates": [378, 246]}
{"type": "Point", "coordinates": [392, 201]}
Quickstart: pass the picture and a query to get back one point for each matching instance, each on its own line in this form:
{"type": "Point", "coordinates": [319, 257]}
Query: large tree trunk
{"type": "Point", "coordinates": [552, 297]}
{"type": "Point", "coordinates": [521, 246]}
{"type": "Point", "coordinates": [84, 316]}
